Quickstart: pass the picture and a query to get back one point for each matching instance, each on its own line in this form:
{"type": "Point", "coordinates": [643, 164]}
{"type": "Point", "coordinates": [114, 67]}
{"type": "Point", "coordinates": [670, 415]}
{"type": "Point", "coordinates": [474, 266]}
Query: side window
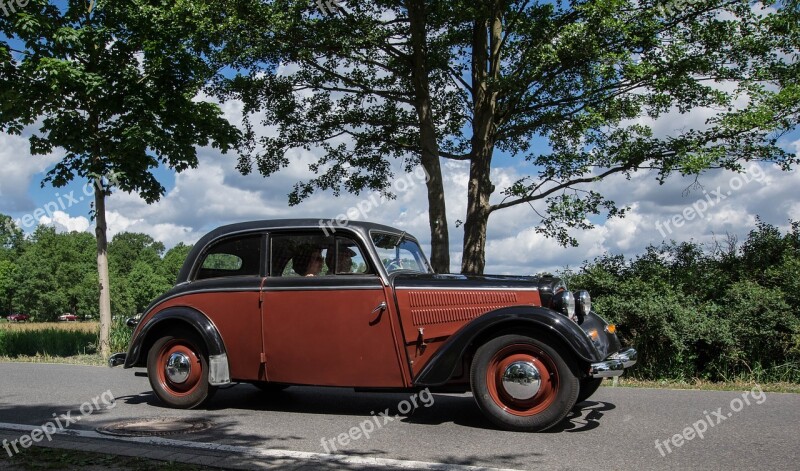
{"type": "Point", "coordinates": [347, 259]}
{"type": "Point", "coordinates": [238, 256]}
{"type": "Point", "coordinates": [307, 255]}
{"type": "Point", "coordinates": [299, 255]}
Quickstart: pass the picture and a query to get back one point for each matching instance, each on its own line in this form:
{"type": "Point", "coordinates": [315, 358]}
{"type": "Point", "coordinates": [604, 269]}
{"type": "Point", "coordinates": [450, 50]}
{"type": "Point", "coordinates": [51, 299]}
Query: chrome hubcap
{"type": "Point", "coordinates": [178, 368]}
{"type": "Point", "coordinates": [522, 380]}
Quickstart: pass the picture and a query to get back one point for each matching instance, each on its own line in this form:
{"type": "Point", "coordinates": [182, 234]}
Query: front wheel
{"type": "Point", "coordinates": [177, 367]}
{"type": "Point", "coordinates": [523, 384]}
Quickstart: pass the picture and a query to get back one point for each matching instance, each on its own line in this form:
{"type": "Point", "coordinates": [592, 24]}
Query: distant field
{"type": "Point", "coordinates": [88, 327]}
{"type": "Point", "coordinates": [58, 339]}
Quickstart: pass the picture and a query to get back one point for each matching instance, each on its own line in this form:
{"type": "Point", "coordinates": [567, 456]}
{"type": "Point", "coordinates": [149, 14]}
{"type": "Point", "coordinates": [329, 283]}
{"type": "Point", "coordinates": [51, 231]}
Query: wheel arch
{"type": "Point", "coordinates": [542, 323]}
{"type": "Point", "coordinates": [171, 319]}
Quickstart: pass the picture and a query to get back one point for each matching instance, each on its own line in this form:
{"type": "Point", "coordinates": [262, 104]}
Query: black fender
{"type": "Point", "coordinates": [440, 368]}
{"type": "Point", "coordinates": [186, 315]}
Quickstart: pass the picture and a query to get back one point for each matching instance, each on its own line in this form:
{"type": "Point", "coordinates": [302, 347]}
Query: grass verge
{"type": "Point", "coordinates": [85, 360]}
{"type": "Point", "coordinates": [703, 385]}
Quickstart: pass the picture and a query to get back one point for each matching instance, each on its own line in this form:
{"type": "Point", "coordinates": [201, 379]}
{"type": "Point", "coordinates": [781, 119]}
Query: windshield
{"type": "Point", "coordinates": [396, 252]}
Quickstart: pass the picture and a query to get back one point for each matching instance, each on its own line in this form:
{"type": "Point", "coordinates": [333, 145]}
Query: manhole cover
{"type": "Point", "coordinates": [155, 427]}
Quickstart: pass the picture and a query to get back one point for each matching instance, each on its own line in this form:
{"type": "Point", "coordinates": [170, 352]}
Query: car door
{"type": "Point", "coordinates": [326, 325]}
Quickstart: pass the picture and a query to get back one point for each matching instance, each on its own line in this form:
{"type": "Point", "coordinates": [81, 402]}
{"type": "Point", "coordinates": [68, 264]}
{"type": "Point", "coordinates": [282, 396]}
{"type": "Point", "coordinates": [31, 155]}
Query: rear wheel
{"type": "Point", "coordinates": [523, 384]}
{"type": "Point", "coordinates": [177, 366]}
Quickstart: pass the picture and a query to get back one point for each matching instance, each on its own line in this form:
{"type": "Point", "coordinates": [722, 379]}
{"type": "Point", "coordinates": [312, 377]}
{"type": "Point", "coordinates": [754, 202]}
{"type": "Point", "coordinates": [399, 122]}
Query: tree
{"type": "Point", "coordinates": [114, 85]}
{"type": "Point", "coordinates": [586, 75]}
{"type": "Point", "coordinates": [51, 273]}
{"type": "Point", "coordinates": [12, 239]}
{"type": "Point", "coordinates": [172, 262]}
{"type": "Point", "coordinates": [146, 285]}
{"type": "Point", "coordinates": [352, 82]}
{"type": "Point", "coordinates": [8, 273]}
{"type": "Point", "coordinates": [127, 249]}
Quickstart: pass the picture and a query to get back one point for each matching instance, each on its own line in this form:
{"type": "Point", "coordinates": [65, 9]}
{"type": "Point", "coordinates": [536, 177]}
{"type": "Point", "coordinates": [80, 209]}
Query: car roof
{"type": "Point", "coordinates": [330, 225]}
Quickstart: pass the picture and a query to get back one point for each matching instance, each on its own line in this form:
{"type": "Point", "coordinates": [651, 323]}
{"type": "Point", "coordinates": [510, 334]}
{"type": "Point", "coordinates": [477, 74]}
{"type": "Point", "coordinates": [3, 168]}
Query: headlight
{"type": "Point", "coordinates": [584, 304]}
{"type": "Point", "coordinates": [564, 302]}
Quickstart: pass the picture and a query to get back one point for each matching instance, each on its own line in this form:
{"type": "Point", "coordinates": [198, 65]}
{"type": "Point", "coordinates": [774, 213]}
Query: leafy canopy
{"type": "Point", "coordinates": [115, 87]}
{"type": "Point", "coordinates": [572, 89]}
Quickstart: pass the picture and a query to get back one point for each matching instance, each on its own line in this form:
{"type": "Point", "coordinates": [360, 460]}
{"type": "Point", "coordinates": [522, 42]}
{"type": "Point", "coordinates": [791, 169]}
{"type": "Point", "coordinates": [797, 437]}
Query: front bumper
{"type": "Point", "coordinates": [117, 359]}
{"type": "Point", "coordinates": [614, 365]}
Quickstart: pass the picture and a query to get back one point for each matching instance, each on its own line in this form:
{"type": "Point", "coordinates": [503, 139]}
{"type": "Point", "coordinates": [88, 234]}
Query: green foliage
{"type": "Point", "coordinates": [51, 273]}
{"type": "Point", "coordinates": [8, 274]}
{"type": "Point", "coordinates": [114, 87]}
{"type": "Point", "coordinates": [53, 342]}
{"type": "Point", "coordinates": [146, 284]}
{"type": "Point", "coordinates": [128, 248]}
{"type": "Point", "coordinates": [378, 82]}
{"type": "Point", "coordinates": [710, 314]}
{"type": "Point", "coordinates": [120, 335]}
{"type": "Point", "coordinates": [55, 273]}
{"type": "Point", "coordinates": [173, 261]}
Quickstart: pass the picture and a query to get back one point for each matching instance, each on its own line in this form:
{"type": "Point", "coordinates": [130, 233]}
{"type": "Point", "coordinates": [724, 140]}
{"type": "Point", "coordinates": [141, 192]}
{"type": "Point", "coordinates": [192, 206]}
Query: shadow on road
{"type": "Point", "coordinates": [446, 408]}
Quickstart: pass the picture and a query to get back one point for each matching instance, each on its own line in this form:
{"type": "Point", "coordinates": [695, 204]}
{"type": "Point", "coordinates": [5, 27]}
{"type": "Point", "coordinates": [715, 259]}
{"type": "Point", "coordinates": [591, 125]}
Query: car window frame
{"type": "Point", "coordinates": [366, 254]}
{"type": "Point", "coordinates": [201, 258]}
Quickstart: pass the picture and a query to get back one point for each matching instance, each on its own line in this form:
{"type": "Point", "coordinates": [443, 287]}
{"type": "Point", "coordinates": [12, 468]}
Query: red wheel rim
{"type": "Point", "coordinates": [549, 381]}
{"type": "Point", "coordinates": [195, 373]}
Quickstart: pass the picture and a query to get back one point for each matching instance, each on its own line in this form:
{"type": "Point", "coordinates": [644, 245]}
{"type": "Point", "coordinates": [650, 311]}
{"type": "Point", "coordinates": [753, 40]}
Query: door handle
{"type": "Point", "coordinates": [381, 307]}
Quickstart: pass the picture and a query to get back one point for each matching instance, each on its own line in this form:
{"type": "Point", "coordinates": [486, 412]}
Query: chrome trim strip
{"type": "Point", "coordinates": [614, 365]}
{"type": "Point", "coordinates": [323, 288]}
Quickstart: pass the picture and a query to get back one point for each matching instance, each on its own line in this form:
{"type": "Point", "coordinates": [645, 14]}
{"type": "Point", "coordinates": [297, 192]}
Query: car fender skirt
{"type": "Point", "coordinates": [546, 322]}
{"type": "Point", "coordinates": [219, 371]}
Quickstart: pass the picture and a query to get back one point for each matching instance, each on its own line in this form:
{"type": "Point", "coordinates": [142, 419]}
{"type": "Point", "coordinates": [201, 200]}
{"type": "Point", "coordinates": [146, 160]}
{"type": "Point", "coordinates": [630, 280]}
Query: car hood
{"type": "Point", "coordinates": [419, 280]}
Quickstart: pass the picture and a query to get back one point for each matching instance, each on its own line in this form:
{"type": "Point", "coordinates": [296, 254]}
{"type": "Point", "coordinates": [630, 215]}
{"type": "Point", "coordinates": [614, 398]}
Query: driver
{"type": "Point", "coordinates": [344, 262]}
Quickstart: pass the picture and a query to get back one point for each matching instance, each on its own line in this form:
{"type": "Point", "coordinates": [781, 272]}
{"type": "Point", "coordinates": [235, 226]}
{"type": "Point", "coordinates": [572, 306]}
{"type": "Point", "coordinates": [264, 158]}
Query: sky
{"type": "Point", "coordinates": [215, 193]}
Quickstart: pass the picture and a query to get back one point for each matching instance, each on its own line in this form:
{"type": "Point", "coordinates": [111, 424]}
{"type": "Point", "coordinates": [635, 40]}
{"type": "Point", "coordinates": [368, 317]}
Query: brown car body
{"type": "Point", "coordinates": [243, 310]}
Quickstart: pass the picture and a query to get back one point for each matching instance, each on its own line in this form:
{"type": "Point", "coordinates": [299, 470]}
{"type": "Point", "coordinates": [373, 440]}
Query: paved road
{"type": "Point", "coordinates": [617, 429]}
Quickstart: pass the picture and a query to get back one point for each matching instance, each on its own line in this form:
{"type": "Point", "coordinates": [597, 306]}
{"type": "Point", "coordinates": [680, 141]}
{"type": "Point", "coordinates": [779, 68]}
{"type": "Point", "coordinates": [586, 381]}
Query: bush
{"type": "Point", "coordinates": [120, 335]}
{"type": "Point", "coordinates": [709, 314]}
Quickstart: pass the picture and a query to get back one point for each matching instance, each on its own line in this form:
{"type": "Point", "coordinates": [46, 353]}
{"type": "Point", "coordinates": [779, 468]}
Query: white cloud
{"type": "Point", "coordinates": [63, 222]}
{"type": "Point", "coordinates": [19, 168]}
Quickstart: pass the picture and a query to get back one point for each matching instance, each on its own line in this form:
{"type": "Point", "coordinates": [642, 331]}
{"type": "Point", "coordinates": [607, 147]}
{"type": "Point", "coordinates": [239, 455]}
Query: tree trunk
{"type": "Point", "coordinates": [429, 158]}
{"type": "Point", "coordinates": [480, 189]}
{"type": "Point", "coordinates": [485, 69]}
{"type": "Point", "coordinates": [102, 267]}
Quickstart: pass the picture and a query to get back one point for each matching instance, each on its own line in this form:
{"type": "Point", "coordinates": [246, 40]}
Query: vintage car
{"type": "Point", "coordinates": [354, 304]}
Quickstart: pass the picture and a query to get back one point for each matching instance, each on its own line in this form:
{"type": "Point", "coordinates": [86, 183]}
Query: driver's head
{"type": "Point", "coordinates": [344, 260]}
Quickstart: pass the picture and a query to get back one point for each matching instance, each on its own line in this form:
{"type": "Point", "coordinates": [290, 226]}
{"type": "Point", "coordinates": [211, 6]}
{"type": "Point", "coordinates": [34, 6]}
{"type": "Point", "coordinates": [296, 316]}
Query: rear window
{"type": "Point", "coordinates": [237, 256]}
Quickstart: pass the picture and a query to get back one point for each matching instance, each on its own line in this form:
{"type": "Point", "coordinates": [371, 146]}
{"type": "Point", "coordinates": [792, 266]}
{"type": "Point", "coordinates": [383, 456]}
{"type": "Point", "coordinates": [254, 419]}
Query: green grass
{"type": "Point", "coordinates": [34, 341]}
{"type": "Point", "coordinates": [36, 458]}
{"type": "Point", "coordinates": [780, 387]}
{"type": "Point", "coordinates": [47, 341]}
